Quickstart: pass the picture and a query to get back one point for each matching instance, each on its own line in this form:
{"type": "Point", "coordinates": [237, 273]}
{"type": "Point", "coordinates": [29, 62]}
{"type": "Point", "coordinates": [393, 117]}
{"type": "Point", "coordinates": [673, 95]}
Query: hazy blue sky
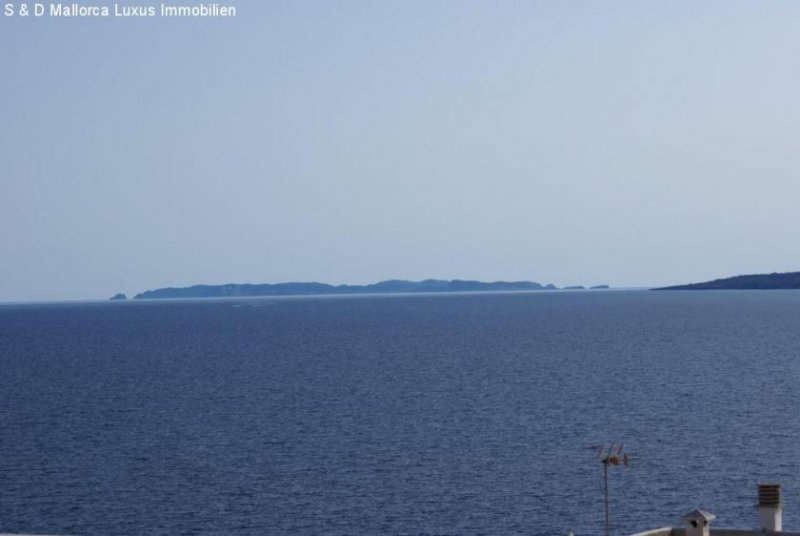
{"type": "Point", "coordinates": [630, 143]}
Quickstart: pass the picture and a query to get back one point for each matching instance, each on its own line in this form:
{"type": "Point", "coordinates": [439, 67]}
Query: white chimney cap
{"type": "Point", "coordinates": [698, 514]}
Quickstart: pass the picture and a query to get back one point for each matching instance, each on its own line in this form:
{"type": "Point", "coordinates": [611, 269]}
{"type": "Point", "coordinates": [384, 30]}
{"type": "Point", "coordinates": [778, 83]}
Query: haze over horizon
{"type": "Point", "coordinates": [623, 143]}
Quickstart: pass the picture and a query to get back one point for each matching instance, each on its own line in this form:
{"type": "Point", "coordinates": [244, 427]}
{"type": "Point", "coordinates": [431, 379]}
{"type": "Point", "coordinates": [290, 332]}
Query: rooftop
{"type": "Point", "coordinates": [698, 521]}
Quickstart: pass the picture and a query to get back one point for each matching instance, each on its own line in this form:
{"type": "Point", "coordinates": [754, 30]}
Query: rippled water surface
{"type": "Point", "coordinates": [455, 414]}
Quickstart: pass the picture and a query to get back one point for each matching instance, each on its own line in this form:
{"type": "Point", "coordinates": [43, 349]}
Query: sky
{"type": "Point", "coordinates": [582, 142]}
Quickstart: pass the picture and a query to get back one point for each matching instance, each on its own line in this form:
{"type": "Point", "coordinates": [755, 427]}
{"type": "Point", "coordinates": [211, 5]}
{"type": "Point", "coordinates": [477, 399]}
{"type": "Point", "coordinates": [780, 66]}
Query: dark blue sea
{"type": "Point", "coordinates": [426, 414]}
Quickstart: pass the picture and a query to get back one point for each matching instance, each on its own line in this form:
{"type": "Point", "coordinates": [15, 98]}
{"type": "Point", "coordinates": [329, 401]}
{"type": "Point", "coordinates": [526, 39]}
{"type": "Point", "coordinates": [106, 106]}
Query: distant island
{"type": "Point", "coordinates": [313, 288]}
{"type": "Point", "coordinates": [304, 289]}
{"type": "Point", "coordinates": [118, 297]}
{"type": "Point", "coordinates": [775, 281]}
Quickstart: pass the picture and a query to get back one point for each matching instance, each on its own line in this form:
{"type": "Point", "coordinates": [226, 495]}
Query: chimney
{"type": "Point", "coordinates": [770, 513]}
{"type": "Point", "coordinates": [697, 522]}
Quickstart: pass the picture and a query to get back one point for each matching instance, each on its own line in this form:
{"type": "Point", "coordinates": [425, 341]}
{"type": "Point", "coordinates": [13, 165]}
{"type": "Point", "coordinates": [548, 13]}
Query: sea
{"type": "Point", "coordinates": [406, 414]}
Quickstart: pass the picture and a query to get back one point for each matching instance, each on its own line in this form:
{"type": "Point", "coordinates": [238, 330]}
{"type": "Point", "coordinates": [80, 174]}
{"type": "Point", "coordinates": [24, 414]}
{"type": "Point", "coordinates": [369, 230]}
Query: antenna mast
{"type": "Point", "coordinates": [610, 457]}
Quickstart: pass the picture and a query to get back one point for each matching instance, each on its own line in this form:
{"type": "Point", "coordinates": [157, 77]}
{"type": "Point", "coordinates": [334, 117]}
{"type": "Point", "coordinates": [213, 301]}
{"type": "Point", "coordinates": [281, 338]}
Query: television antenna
{"type": "Point", "coordinates": [611, 455]}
